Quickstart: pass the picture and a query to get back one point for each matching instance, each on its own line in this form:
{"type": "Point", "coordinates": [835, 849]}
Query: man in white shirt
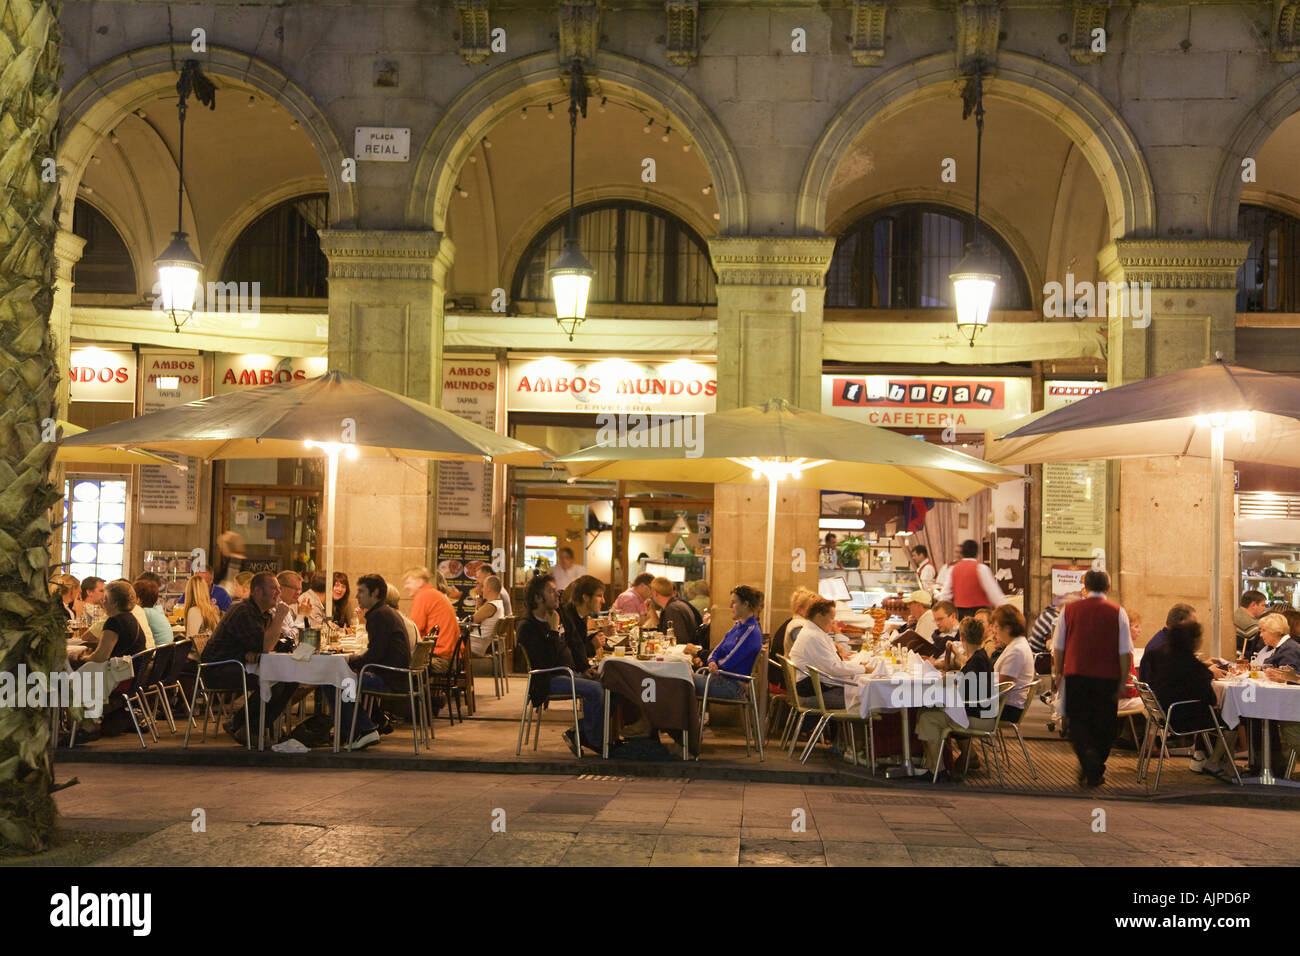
{"type": "Point", "coordinates": [814, 647]}
{"type": "Point", "coordinates": [487, 616]}
{"type": "Point", "coordinates": [919, 613]}
{"type": "Point", "coordinates": [565, 571]}
{"type": "Point", "coordinates": [925, 569]}
{"type": "Point", "coordinates": [970, 584]}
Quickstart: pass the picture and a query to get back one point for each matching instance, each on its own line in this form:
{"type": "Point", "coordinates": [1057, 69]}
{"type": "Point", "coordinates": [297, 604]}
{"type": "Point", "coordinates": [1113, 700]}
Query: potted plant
{"type": "Point", "coordinates": [851, 548]}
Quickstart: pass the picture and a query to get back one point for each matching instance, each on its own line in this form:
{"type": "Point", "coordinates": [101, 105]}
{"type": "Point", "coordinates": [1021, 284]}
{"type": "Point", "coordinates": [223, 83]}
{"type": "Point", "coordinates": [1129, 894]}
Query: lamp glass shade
{"type": "Point", "coordinates": [178, 278]}
{"type": "Point", "coordinates": [570, 278]}
{"type": "Point", "coordinates": [974, 281]}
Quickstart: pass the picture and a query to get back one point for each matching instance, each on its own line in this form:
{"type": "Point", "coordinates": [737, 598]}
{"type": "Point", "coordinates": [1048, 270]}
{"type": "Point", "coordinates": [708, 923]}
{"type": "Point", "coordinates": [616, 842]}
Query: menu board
{"type": "Point", "coordinates": [469, 389]}
{"type": "Point", "coordinates": [1074, 509]}
{"type": "Point", "coordinates": [169, 495]}
{"type": "Point", "coordinates": [459, 558]}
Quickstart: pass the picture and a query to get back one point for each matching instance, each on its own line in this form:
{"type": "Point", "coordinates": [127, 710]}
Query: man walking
{"type": "Point", "coordinates": [1092, 651]}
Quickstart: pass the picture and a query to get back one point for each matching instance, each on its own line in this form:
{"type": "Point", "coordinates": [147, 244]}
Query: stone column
{"type": "Point", "coordinates": [770, 296]}
{"type": "Point", "coordinates": [386, 326]}
{"type": "Point", "coordinates": [1160, 522]}
{"type": "Point", "coordinates": [67, 253]}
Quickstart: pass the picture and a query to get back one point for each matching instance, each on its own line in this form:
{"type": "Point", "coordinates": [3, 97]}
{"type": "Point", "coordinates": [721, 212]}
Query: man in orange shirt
{"type": "Point", "coordinates": [431, 609]}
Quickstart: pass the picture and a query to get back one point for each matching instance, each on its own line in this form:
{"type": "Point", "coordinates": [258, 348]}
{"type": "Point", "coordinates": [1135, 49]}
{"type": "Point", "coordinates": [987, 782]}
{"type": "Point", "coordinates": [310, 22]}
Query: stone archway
{"type": "Point", "coordinates": [472, 114]}
{"type": "Point", "coordinates": [1078, 110]}
{"type": "Point", "coordinates": [1260, 123]}
{"type": "Point", "coordinates": [99, 100]}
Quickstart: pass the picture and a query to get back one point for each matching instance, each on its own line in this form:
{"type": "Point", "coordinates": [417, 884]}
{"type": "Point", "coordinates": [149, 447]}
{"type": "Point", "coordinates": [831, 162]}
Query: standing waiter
{"type": "Point", "coordinates": [970, 583]}
{"type": "Point", "coordinates": [1093, 650]}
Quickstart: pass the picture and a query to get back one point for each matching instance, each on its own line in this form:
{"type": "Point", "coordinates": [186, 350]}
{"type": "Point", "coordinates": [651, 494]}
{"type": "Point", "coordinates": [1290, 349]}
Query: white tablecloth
{"type": "Point", "coordinates": [1271, 701]}
{"type": "Point", "coordinates": [900, 691]}
{"type": "Point", "coordinates": [676, 666]}
{"type": "Point", "coordinates": [319, 669]}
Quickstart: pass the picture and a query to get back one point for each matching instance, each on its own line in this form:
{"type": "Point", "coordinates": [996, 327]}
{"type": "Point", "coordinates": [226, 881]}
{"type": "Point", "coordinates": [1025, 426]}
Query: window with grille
{"type": "Point", "coordinates": [642, 256]}
{"type": "Point", "coordinates": [105, 263]}
{"type": "Point", "coordinates": [281, 250]}
{"type": "Point", "coordinates": [901, 257]}
{"type": "Point", "coordinates": [1269, 280]}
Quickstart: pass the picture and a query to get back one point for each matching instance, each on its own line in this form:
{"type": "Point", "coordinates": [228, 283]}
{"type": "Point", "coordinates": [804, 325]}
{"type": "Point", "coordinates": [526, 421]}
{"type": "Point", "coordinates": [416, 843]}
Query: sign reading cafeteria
{"type": "Point", "coordinates": [234, 372]}
{"type": "Point", "coordinates": [612, 385]}
{"type": "Point", "coordinates": [101, 375]}
{"type": "Point", "coordinates": [921, 401]}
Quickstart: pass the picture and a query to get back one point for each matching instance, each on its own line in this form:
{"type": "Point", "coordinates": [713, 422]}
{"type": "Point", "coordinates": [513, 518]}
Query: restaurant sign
{"type": "Point", "coordinates": [920, 401]}
{"type": "Point", "coordinates": [102, 375]}
{"type": "Point", "coordinates": [236, 372]}
{"type": "Point", "coordinates": [612, 385]}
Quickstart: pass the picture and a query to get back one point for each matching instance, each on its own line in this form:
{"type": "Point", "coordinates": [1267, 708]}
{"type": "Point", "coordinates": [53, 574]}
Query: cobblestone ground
{"type": "Point", "coordinates": [124, 816]}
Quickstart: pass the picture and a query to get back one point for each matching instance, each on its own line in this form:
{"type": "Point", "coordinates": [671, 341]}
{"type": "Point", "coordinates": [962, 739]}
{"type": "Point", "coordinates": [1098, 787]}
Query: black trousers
{"type": "Point", "coordinates": [1091, 706]}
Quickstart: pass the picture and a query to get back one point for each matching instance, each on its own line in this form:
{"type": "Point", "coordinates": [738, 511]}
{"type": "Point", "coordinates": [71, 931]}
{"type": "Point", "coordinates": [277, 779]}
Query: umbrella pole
{"type": "Point", "coordinates": [771, 553]}
{"type": "Point", "coordinates": [331, 494]}
{"type": "Point", "coordinates": [1216, 538]}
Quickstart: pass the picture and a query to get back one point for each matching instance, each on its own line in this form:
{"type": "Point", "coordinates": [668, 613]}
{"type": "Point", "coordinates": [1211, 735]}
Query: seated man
{"type": "Point", "coordinates": [388, 646]}
{"type": "Point", "coordinates": [248, 630]}
{"type": "Point", "coordinates": [1178, 614]}
{"type": "Point", "coordinates": [919, 615]}
{"type": "Point", "coordinates": [487, 616]}
{"type": "Point", "coordinates": [674, 613]}
{"type": "Point", "coordinates": [1245, 621]}
{"type": "Point", "coordinates": [978, 685]}
{"type": "Point", "coordinates": [539, 635]}
{"type": "Point", "coordinates": [431, 608]}
{"type": "Point", "coordinates": [945, 626]}
{"type": "Point", "coordinates": [814, 647]}
{"type": "Point", "coordinates": [633, 600]}
{"type": "Point", "coordinates": [290, 592]}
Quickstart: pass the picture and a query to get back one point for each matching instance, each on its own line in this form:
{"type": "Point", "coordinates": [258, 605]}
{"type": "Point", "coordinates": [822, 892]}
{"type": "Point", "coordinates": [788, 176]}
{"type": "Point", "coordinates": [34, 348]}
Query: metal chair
{"type": "Point", "coordinates": [169, 667]}
{"type": "Point", "coordinates": [452, 681]}
{"type": "Point", "coordinates": [983, 736]}
{"type": "Point", "coordinates": [748, 702]}
{"type": "Point", "coordinates": [505, 630]}
{"type": "Point", "coordinates": [1158, 725]}
{"type": "Point", "coordinates": [417, 693]}
{"type": "Point", "coordinates": [1015, 725]}
{"type": "Point", "coordinates": [842, 715]}
{"type": "Point", "coordinates": [219, 697]}
{"type": "Point", "coordinates": [142, 668]}
{"type": "Point", "coordinates": [534, 711]}
{"type": "Point", "coordinates": [798, 710]}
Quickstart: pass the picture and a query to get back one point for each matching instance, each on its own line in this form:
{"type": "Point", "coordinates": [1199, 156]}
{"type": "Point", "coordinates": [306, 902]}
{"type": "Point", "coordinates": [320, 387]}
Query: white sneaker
{"type": "Point", "coordinates": [362, 742]}
{"type": "Point", "coordinates": [1198, 762]}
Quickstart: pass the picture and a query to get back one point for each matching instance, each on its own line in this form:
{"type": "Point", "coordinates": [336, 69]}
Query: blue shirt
{"type": "Point", "coordinates": [740, 648]}
{"type": "Point", "coordinates": [221, 598]}
{"type": "Point", "coordinates": [1158, 639]}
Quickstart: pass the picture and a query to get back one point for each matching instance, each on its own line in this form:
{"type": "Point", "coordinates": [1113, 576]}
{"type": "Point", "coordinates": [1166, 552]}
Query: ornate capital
{"type": "Point", "coordinates": [868, 32]}
{"type": "Point", "coordinates": [771, 261]}
{"type": "Point", "coordinates": [1089, 15]}
{"type": "Point", "coordinates": [1286, 32]}
{"type": "Point", "coordinates": [67, 252]}
{"type": "Point", "coordinates": [579, 32]}
{"type": "Point", "coordinates": [387, 254]}
{"type": "Point", "coordinates": [1174, 264]}
{"type": "Point", "coordinates": [979, 23]}
{"type": "Point", "coordinates": [683, 36]}
{"type": "Point", "coordinates": [475, 30]}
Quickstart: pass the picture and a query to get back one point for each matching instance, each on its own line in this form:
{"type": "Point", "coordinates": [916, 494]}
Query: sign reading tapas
{"type": "Point", "coordinates": [613, 385]}
{"type": "Point", "coordinates": [925, 402]}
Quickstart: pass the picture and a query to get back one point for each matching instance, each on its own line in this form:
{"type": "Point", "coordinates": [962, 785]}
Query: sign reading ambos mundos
{"type": "Point", "coordinates": [612, 385]}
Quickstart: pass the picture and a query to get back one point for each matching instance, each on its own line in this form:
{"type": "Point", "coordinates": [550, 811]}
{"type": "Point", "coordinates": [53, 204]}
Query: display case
{"type": "Point", "coordinates": [174, 568]}
{"type": "Point", "coordinates": [1273, 569]}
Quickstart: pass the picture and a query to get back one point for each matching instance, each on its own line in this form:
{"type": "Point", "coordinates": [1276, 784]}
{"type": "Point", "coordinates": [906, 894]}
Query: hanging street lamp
{"type": "Point", "coordinates": [975, 278]}
{"type": "Point", "coordinates": [178, 266]}
{"type": "Point", "coordinates": [570, 276]}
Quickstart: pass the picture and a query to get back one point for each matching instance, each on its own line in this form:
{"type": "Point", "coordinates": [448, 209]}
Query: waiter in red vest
{"type": "Point", "coordinates": [1093, 651]}
{"type": "Point", "coordinates": [970, 583]}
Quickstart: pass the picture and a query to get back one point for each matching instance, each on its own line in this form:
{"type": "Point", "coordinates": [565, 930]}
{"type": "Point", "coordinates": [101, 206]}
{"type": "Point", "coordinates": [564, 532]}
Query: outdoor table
{"type": "Point", "coordinates": [675, 666]}
{"type": "Point", "coordinates": [1271, 701]}
{"type": "Point", "coordinates": [872, 693]}
{"type": "Point", "coordinates": [319, 669]}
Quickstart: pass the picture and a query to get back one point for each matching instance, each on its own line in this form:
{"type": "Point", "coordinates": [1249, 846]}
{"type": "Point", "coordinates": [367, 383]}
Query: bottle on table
{"type": "Point", "coordinates": [672, 638]}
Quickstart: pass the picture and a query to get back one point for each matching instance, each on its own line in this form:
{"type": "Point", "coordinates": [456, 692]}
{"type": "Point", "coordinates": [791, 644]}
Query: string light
{"type": "Point", "coordinates": [550, 113]}
{"type": "Point", "coordinates": [523, 113]}
{"type": "Point", "coordinates": [648, 123]}
{"type": "Point", "coordinates": [667, 133]}
{"type": "Point", "coordinates": [707, 189]}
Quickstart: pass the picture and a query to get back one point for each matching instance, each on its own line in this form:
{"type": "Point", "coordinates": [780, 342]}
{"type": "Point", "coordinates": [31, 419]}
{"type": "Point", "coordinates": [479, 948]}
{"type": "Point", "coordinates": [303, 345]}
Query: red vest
{"type": "Point", "coordinates": [966, 588]}
{"type": "Point", "coordinates": [1092, 639]}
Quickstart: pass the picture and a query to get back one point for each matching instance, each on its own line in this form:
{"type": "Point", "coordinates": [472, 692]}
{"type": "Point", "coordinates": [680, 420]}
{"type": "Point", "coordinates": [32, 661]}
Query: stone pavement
{"type": "Point", "coordinates": [132, 815]}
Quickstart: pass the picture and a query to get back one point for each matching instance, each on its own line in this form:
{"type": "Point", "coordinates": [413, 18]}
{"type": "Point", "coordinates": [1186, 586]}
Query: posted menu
{"type": "Point", "coordinates": [1074, 509]}
{"type": "Point", "coordinates": [169, 495]}
{"type": "Point", "coordinates": [469, 389]}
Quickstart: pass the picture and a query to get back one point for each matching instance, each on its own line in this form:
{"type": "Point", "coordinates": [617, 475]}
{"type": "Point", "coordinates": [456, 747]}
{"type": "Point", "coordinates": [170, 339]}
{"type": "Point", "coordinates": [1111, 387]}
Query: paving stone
{"type": "Point", "coordinates": [781, 853]}
{"type": "Point", "coordinates": [688, 850]}
{"type": "Point", "coordinates": [848, 853]}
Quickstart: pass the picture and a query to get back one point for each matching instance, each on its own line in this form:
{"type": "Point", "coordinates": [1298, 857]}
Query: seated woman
{"type": "Point", "coordinates": [1180, 676]}
{"type": "Point", "coordinates": [814, 647]}
{"type": "Point", "coordinates": [122, 636]}
{"type": "Point", "coordinates": [201, 615]}
{"type": "Point", "coordinates": [68, 590]}
{"type": "Point", "coordinates": [784, 638]}
{"type": "Point", "coordinates": [978, 685]}
{"type": "Point", "coordinates": [1016, 660]}
{"type": "Point", "coordinates": [737, 651]}
{"type": "Point", "coordinates": [146, 592]}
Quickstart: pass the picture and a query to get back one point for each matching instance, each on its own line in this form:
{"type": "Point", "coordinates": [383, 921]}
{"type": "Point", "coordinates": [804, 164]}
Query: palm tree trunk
{"type": "Point", "coordinates": [30, 633]}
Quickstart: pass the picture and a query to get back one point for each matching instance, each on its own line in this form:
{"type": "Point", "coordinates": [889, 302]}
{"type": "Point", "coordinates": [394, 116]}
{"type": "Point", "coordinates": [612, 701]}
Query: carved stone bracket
{"type": "Point", "coordinates": [978, 24]}
{"type": "Point", "coordinates": [869, 32]}
{"type": "Point", "coordinates": [760, 261]}
{"type": "Point", "coordinates": [1286, 32]}
{"type": "Point", "coordinates": [387, 254]}
{"type": "Point", "coordinates": [579, 32]}
{"type": "Point", "coordinates": [1089, 15]}
{"type": "Point", "coordinates": [1174, 264]}
{"type": "Point", "coordinates": [683, 36]}
{"type": "Point", "coordinates": [475, 30]}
